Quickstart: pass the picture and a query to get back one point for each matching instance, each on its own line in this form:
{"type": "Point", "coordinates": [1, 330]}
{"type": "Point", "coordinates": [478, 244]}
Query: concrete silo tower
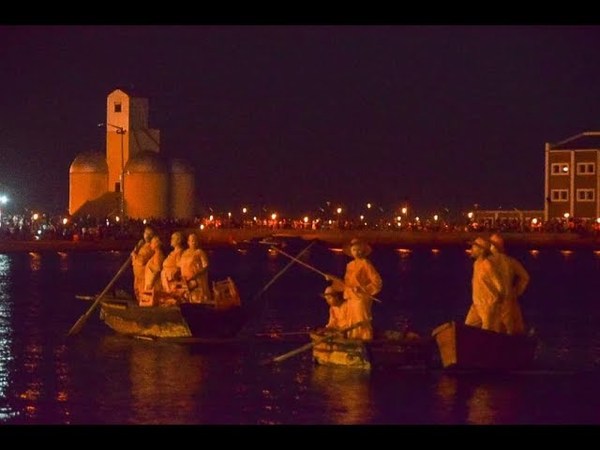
{"type": "Point", "coordinates": [182, 188]}
{"type": "Point", "coordinates": [88, 179]}
{"type": "Point", "coordinates": [147, 186]}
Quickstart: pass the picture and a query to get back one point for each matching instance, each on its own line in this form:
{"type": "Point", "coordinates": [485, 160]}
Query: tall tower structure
{"type": "Point", "coordinates": [134, 180]}
{"type": "Point", "coordinates": [127, 134]}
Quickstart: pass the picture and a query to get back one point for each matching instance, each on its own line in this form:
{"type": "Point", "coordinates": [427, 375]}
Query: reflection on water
{"type": "Point", "coordinates": [346, 394]}
{"type": "Point", "coordinates": [477, 399]}
{"type": "Point", "coordinates": [99, 377]}
{"type": "Point", "coordinates": [64, 262]}
{"type": "Point", "coordinates": [6, 332]}
{"type": "Point", "coordinates": [163, 382]}
{"type": "Point", "coordinates": [35, 262]}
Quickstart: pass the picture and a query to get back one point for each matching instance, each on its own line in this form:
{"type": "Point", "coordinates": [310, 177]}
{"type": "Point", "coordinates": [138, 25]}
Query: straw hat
{"type": "Point", "coordinates": [332, 297]}
{"type": "Point", "coordinates": [481, 242]}
{"type": "Point", "coordinates": [366, 248]}
{"type": "Point", "coordinates": [497, 241]}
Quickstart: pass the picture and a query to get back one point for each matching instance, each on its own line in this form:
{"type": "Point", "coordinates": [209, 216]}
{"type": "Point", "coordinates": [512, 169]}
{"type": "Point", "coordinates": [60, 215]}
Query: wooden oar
{"type": "Point", "coordinates": [314, 269]}
{"type": "Point", "coordinates": [76, 328]}
{"type": "Point", "coordinates": [276, 334]}
{"type": "Point", "coordinates": [310, 345]}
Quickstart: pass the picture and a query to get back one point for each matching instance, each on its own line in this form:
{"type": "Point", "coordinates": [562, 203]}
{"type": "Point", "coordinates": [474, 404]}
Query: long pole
{"type": "Point", "coordinates": [314, 269]}
{"type": "Point", "coordinates": [121, 131]}
{"type": "Point", "coordinates": [76, 328]}
{"type": "Point", "coordinates": [281, 272]}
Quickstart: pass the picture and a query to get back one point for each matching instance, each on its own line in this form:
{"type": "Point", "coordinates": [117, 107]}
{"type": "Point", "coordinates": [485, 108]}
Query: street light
{"type": "Point", "coordinates": [121, 131]}
{"type": "Point", "coordinates": [3, 201]}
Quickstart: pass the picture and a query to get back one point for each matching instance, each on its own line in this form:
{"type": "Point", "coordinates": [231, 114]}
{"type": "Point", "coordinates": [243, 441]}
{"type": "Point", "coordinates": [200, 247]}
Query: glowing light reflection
{"type": "Point", "coordinates": [5, 336]}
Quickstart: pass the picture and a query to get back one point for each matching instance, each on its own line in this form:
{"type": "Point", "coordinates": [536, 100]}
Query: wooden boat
{"type": "Point", "coordinates": [464, 347]}
{"type": "Point", "coordinates": [221, 318]}
{"type": "Point", "coordinates": [390, 349]}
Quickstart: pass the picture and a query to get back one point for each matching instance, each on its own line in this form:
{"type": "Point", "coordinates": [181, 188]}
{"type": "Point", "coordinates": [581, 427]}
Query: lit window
{"type": "Point", "coordinates": [585, 195]}
{"type": "Point", "coordinates": [560, 168]}
{"type": "Point", "coordinates": [586, 168]}
{"type": "Point", "coordinates": [117, 107]}
{"type": "Point", "coordinates": [559, 195]}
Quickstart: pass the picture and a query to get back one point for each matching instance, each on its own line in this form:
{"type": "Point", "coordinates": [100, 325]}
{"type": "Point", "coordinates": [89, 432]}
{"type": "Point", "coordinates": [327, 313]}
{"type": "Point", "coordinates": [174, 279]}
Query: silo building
{"type": "Point", "coordinates": [133, 179]}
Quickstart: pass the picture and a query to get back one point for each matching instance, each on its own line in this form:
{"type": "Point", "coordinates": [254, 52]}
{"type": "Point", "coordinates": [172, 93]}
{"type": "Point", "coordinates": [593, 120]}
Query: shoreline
{"type": "Point", "coordinates": [234, 237]}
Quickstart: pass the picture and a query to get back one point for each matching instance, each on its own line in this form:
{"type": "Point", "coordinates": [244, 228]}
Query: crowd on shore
{"type": "Point", "coordinates": [26, 228]}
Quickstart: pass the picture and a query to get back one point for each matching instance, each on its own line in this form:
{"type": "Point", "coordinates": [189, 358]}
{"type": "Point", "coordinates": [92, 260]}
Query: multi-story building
{"type": "Point", "coordinates": [572, 179]}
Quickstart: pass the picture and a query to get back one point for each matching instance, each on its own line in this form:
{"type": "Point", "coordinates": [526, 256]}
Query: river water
{"type": "Point", "coordinates": [98, 377]}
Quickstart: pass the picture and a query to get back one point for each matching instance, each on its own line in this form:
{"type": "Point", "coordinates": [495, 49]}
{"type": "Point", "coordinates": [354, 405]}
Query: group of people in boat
{"type": "Point", "coordinates": [498, 281]}
{"type": "Point", "coordinates": [181, 276]}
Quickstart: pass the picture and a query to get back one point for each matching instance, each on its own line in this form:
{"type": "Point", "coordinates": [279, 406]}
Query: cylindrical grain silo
{"type": "Point", "coordinates": [88, 179]}
{"type": "Point", "coordinates": [146, 187]}
{"type": "Point", "coordinates": [182, 187]}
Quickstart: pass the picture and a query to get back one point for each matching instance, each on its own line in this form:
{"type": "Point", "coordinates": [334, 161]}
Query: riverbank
{"type": "Point", "coordinates": [234, 237]}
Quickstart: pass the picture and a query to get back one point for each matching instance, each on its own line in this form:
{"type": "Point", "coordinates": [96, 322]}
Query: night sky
{"type": "Point", "coordinates": [293, 116]}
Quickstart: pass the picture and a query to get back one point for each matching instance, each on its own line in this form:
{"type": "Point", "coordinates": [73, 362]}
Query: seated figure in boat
{"type": "Point", "coordinates": [139, 258]}
{"type": "Point", "coordinates": [487, 289]}
{"type": "Point", "coordinates": [515, 279]}
{"type": "Point", "coordinates": [194, 271]}
{"type": "Point", "coordinates": [337, 309]}
{"type": "Point", "coordinates": [152, 284]}
{"type": "Point", "coordinates": [361, 283]}
{"type": "Point", "coordinates": [170, 275]}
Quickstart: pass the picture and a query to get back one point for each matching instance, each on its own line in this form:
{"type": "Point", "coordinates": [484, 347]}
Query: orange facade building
{"type": "Point", "coordinates": [133, 179]}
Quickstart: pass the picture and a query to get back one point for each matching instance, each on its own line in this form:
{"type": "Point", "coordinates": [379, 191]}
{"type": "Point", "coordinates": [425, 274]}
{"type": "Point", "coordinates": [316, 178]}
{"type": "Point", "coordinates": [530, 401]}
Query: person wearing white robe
{"type": "Point", "coordinates": [487, 289]}
{"type": "Point", "coordinates": [515, 279]}
{"type": "Point", "coordinates": [361, 283]}
{"type": "Point", "coordinates": [194, 271]}
{"type": "Point", "coordinates": [170, 270]}
{"type": "Point", "coordinates": [139, 258]}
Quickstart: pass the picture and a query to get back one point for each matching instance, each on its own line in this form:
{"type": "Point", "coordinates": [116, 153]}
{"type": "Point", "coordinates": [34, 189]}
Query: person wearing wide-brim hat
{"type": "Point", "coordinates": [361, 282]}
{"type": "Point", "coordinates": [515, 279]}
{"type": "Point", "coordinates": [337, 309]}
{"type": "Point", "coordinates": [487, 289]}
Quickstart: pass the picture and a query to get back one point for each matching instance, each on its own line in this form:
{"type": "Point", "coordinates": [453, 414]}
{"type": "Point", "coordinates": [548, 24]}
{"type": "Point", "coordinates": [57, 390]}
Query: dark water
{"type": "Point", "coordinates": [98, 377]}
